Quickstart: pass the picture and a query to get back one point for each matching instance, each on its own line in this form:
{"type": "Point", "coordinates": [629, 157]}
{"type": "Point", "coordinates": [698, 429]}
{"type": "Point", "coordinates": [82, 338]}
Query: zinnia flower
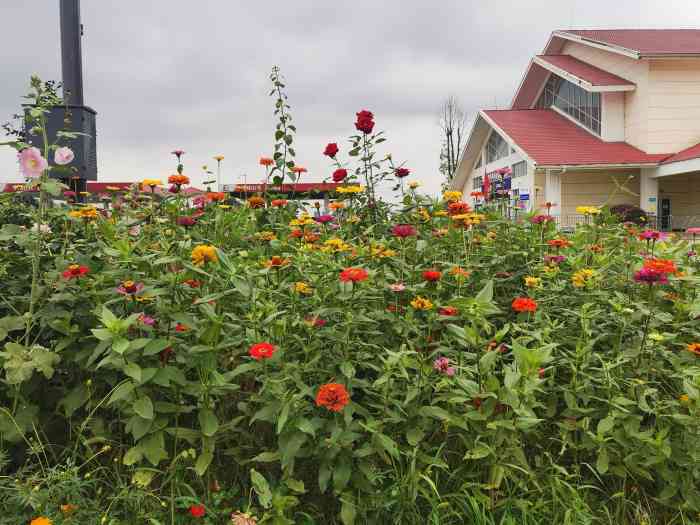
{"type": "Point", "coordinates": [397, 287]}
{"type": "Point", "coordinates": [666, 266]}
{"type": "Point", "coordinates": [204, 253]}
{"type": "Point", "coordinates": [178, 179]}
{"type": "Point", "coordinates": [41, 520]}
{"type": "Point", "coordinates": [256, 202]}
{"type": "Point", "coordinates": [129, 288]}
{"type": "Point", "coordinates": [197, 511]}
{"type": "Point", "coordinates": [216, 196]}
{"type": "Point", "coordinates": [541, 219]}
{"type": "Point", "coordinates": [303, 288]}
{"type": "Point", "coordinates": [276, 262]}
{"type": "Point", "coordinates": [442, 365]}
{"type": "Point", "coordinates": [74, 271]}
{"type": "Point", "coordinates": [178, 153]}
{"type": "Point", "coordinates": [353, 274]}
{"type": "Point", "coordinates": [218, 158]}
{"type": "Point", "coordinates": [323, 219]}
{"type": "Point", "coordinates": [432, 275]}
{"type": "Point", "coordinates": [421, 303]}
{"type": "Point", "coordinates": [147, 320]}
{"type": "Point", "coordinates": [402, 172]}
{"type": "Point", "coordinates": [694, 348]}
{"type": "Point", "coordinates": [583, 277]}
{"type": "Point", "coordinates": [403, 230]}
{"type": "Point", "coordinates": [452, 195]}
{"type": "Point", "coordinates": [186, 220]}
{"type": "Point", "coordinates": [532, 282]}
{"type": "Point", "coordinates": [63, 156]}
{"type": "Point", "coordinates": [31, 162]}
{"type": "Point", "coordinates": [265, 161]}
{"type": "Point", "coordinates": [650, 276]}
{"type": "Point", "coordinates": [559, 243]}
{"type": "Point", "coordinates": [261, 351]}
{"type": "Point", "coordinates": [332, 396]}
{"type": "Point", "coordinates": [279, 203]}
{"type": "Point", "coordinates": [448, 311]}
{"type": "Point", "coordinates": [458, 208]}
{"type": "Point", "coordinates": [413, 184]}
{"type": "Point", "coordinates": [151, 183]}
{"type": "Point", "coordinates": [331, 150]}
{"type": "Point", "coordinates": [524, 304]}
{"type": "Point", "coordinates": [179, 327]}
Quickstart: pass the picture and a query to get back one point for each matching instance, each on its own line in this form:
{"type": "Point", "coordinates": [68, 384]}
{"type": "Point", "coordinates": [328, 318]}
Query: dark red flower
{"type": "Point", "coordinates": [402, 172]}
{"type": "Point", "coordinates": [261, 351]}
{"type": "Point", "coordinates": [403, 230]}
{"type": "Point", "coordinates": [432, 275]}
{"type": "Point", "coordinates": [331, 150]}
{"type": "Point", "coordinates": [179, 327]}
{"type": "Point", "coordinates": [365, 121]}
{"type": "Point", "coordinates": [339, 175]}
{"type": "Point", "coordinates": [197, 511]}
{"type": "Point", "coordinates": [186, 220]}
{"type": "Point", "coordinates": [448, 311]}
{"type": "Point", "coordinates": [192, 283]}
{"type": "Point", "coordinates": [75, 270]}
{"type": "Point", "coordinates": [166, 354]}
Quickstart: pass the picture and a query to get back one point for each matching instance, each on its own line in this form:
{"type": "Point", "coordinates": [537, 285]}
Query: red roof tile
{"type": "Point", "coordinates": [693, 152]}
{"type": "Point", "coordinates": [647, 41]}
{"type": "Point", "coordinates": [587, 72]}
{"type": "Point", "coordinates": [553, 140]}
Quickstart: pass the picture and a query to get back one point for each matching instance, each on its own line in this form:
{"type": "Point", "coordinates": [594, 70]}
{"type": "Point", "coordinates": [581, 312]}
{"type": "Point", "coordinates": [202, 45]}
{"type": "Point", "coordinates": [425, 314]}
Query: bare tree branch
{"type": "Point", "coordinates": [453, 126]}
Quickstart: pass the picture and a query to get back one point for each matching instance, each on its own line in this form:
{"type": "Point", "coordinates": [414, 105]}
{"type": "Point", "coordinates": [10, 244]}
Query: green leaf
{"type": "Point", "coordinates": [203, 462]}
{"type": "Point", "coordinates": [155, 346]}
{"type": "Point", "coordinates": [603, 462]}
{"type": "Point", "coordinates": [414, 435]}
{"type": "Point", "coordinates": [486, 293]}
{"type": "Point", "coordinates": [133, 455]}
{"type": "Point", "coordinates": [121, 392]}
{"type": "Point", "coordinates": [143, 406]}
{"type": "Point", "coordinates": [262, 488]}
{"type": "Point", "coordinates": [120, 345]}
{"type": "Point", "coordinates": [606, 425]}
{"type": "Point", "coordinates": [133, 371]}
{"type": "Point", "coordinates": [341, 473]}
{"type": "Point", "coordinates": [153, 448]}
{"type": "Point", "coordinates": [295, 485]}
{"type": "Point", "coordinates": [348, 511]}
{"type": "Point", "coordinates": [267, 457]}
{"type": "Point", "coordinates": [208, 422]}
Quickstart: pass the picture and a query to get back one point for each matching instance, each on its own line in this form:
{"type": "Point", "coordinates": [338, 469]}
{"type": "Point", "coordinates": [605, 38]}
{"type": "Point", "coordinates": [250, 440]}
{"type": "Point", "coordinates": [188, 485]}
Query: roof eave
{"type": "Point", "coordinates": [597, 166]}
{"type": "Point", "coordinates": [594, 88]}
{"type": "Point", "coordinates": [631, 53]}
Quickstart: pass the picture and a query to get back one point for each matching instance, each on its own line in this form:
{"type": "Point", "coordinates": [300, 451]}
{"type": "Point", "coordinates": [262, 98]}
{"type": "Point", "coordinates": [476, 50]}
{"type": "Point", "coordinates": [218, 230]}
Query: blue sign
{"type": "Point", "coordinates": [524, 196]}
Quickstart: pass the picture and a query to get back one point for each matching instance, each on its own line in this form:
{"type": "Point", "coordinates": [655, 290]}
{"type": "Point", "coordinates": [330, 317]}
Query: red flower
{"type": "Point", "coordinates": [339, 174]}
{"type": "Point", "coordinates": [665, 266]}
{"type": "Point", "coordinates": [541, 372]}
{"type": "Point", "coordinates": [297, 234]}
{"type": "Point", "coordinates": [179, 327]}
{"type": "Point", "coordinates": [403, 230]}
{"type": "Point", "coordinates": [432, 275]}
{"type": "Point", "coordinates": [261, 351]}
{"type": "Point", "coordinates": [353, 274]}
{"type": "Point", "coordinates": [279, 203]}
{"type": "Point", "coordinates": [75, 270]}
{"type": "Point", "coordinates": [458, 208]}
{"type": "Point", "coordinates": [186, 220]}
{"type": "Point", "coordinates": [333, 396]}
{"type": "Point", "coordinates": [402, 172]}
{"type": "Point", "coordinates": [265, 161]}
{"type": "Point", "coordinates": [197, 511]}
{"type": "Point", "coordinates": [559, 243]}
{"type": "Point", "coordinates": [365, 121]}
{"type": "Point", "coordinates": [448, 311]}
{"type": "Point", "coordinates": [192, 283]}
{"type": "Point", "coordinates": [331, 150]}
{"type": "Point", "coordinates": [524, 304]}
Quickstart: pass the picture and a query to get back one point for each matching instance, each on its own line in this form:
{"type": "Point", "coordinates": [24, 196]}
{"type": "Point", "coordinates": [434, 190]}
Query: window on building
{"type": "Point", "coordinates": [519, 169]}
{"type": "Point", "coordinates": [573, 100]}
{"type": "Point", "coordinates": [496, 148]}
{"type": "Point", "coordinates": [478, 182]}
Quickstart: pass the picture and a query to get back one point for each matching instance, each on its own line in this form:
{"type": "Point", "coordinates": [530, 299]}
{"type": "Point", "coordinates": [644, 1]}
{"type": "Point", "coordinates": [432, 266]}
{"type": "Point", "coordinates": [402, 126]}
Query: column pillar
{"type": "Point", "coordinates": [648, 191]}
{"type": "Point", "coordinates": [552, 190]}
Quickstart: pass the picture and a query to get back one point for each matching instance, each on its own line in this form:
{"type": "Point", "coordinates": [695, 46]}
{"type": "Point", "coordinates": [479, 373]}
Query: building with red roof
{"type": "Point", "coordinates": [599, 117]}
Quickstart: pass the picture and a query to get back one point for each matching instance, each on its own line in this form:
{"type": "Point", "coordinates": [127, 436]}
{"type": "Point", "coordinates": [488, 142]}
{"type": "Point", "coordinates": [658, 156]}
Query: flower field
{"type": "Point", "coordinates": [205, 360]}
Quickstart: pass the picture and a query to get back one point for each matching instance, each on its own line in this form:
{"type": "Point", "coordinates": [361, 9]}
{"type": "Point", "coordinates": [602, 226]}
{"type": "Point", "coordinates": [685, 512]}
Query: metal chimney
{"type": "Point", "coordinates": [72, 52]}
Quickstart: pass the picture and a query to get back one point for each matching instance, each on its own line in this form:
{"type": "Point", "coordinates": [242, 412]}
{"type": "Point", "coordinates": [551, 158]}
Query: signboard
{"type": "Point", "coordinates": [524, 196]}
{"type": "Point", "coordinates": [652, 199]}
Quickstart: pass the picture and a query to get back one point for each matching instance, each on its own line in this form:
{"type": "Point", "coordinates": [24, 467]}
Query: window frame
{"type": "Point", "coordinates": [582, 106]}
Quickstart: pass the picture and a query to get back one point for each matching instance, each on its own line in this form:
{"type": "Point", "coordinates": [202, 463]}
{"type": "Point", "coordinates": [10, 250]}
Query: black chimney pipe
{"type": "Point", "coordinates": [71, 52]}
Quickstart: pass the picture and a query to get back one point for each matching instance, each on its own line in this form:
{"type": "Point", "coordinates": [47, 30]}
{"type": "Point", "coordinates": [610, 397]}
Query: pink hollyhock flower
{"type": "Point", "coordinates": [504, 171]}
{"type": "Point", "coordinates": [31, 163]}
{"type": "Point", "coordinates": [442, 365]}
{"type": "Point", "coordinates": [63, 156]}
{"type": "Point", "coordinates": [403, 230]}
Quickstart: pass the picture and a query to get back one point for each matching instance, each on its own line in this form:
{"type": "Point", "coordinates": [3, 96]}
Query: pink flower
{"type": "Point", "coordinates": [650, 276]}
{"type": "Point", "coordinates": [540, 219]}
{"type": "Point", "coordinates": [504, 171]}
{"type": "Point", "coordinates": [186, 220]}
{"type": "Point", "coordinates": [63, 156]}
{"type": "Point", "coordinates": [178, 153]}
{"type": "Point", "coordinates": [648, 235]}
{"type": "Point", "coordinates": [31, 163]}
{"type": "Point", "coordinates": [147, 320]}
{"type": "Point", "coordinates": [323, 219]}
{"type": "Point", "coordinates": [403, 230]}
{"type": "Point", "coordinates": [397, 287]}
{"type": "Point", "coordinates": [442, 365]}
{"type": "Point", "coordinates": [554, 259]}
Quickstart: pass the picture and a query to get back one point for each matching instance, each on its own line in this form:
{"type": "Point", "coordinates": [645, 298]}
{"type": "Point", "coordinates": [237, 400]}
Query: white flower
{"type": "Point", "coordinates": [41, 228]}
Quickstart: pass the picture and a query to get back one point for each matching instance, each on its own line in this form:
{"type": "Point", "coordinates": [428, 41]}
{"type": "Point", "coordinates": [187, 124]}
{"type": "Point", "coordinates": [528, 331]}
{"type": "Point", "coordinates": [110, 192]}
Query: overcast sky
{"type": "Point", "coordinates": [165, 74]}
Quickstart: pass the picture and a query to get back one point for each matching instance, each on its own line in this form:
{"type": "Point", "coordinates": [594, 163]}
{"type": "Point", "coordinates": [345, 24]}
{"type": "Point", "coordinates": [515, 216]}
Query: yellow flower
{"type": "Point", "coordinates": [469, 219]}
{"type": "Point", "coordinates": [423, 214]}
{"type": "Point", "coordinates": [532, 282]}
{"type": "Point", "coordinates": [583, 277]}
{"type": "Point", "coordinates": [41, 520]}
{"type": "Point", "coordinates": [224, 206]}
{"type": "Point", "coordinates": [144, 298]}
{"type": "Point", "coordinates": [303, 220]}
{"type": "Point", "coordinates": [218, 158]}
{"type": "Point", "coordinates": [381, 251]}
{"type": "Point", "coordinates": [152, 183]}
{"type": "Point", "coordinates": [302, 288]}
{"type": "Point", "coordinates": [684, 399]}
{"type": "Point", "coordinates": [87, 212]}
{"type": "Point", "coordinates": [452, 196]}
{"type": "Point", "coordinates": [421, 303]}
{"type": "Point", "coordinates": [265, 236]}
{"type": "Point", "coordinates": [204, 253]}
{"type": "Point", "coordinates": [588, 210]}
{"type": "Point", "coordinates": [551, 269]}
{"type": "Point", "coordinates": [413, 184]}
{"type": "Point", "coordinates": [84, 193]}
{"type": "Point", "coordinates": [491, 236]}
{"type": "Point", "coordinates": [350, 189]}
{"type": "Point", "coordinates": [440, 213]}
{"type": "Point", "coordinates": [335, 245]}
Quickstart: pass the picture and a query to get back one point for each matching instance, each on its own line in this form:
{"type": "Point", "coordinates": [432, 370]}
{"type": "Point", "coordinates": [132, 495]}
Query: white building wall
{"type": "Point", "coordinates": [612, 125]}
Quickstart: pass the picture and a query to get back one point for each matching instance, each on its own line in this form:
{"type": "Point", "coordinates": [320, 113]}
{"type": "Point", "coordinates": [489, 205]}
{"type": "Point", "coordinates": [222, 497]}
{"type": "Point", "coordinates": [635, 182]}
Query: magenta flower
{"type": "Point", "coordinates": [147, 320]}
{"type": "Point", "coordinates": [323, 219]}
{"type": "Point", "coordinates": [69, 194]}
{"type": "Point", "coordinates": [403, 231]}
{"type": "Point", "coordinates": [186, 220]}
{"type": "Point", "coordinates": [442, 365]}
{"type": "Point", "coordinates": [554, 259]}
{"type": "Point", "coordinates": [174, 188]}
{"type": "Point", "coordinates": [129, 288]}
{"type": "Point", "coordinates": [31, 163]}
{"type": "Point", "coordinates": [504, 171]}
{"type": "Point", "coordinates": [649, 235]}
{"type": "Point", "coordinates": [63, 156]}
{"type": "Point", "coordinates": [693, 231]}
{"type": "Point", "coordinates": [691, 253]}
{"type": "Point", "coordinates": [541, 219]}
{"type": "Point", "coordinates": [650, 276]}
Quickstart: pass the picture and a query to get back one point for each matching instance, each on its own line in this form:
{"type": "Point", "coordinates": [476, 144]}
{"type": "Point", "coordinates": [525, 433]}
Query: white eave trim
{"type": "Point", "coordinates": [678, 167]}
{"type": "Point", "coordinates": [574, 167]}
{"type": "Point", "coordinates": [581, 82]}
{"type": "Point", "coordinates": [503, 134]}
{"type": "Point", "coordinates": [631, 53]}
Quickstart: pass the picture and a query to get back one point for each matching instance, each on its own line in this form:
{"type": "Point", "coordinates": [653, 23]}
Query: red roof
{"type": "Point", "coordinates": [553, 140]}
{"type": "Point", "coordinates": [693, 152]}
{"type": "Point", "coordinates": [647, 41]}
{"type": "Point", "coordinates": [586, 72]}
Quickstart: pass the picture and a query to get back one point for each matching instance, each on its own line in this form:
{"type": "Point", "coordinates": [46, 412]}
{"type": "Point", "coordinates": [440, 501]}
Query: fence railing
{"type": "Point", "coordinates": [663, 223]}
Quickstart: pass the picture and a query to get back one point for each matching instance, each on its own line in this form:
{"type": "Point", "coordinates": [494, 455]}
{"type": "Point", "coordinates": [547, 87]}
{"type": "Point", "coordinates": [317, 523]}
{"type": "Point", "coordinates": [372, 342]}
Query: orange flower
{"type": "Point", "coordinates": [460, 272]}
{"type": "Point", "coordinates": [265, 161]}
{"type": "Point", "coordinates": [256, 202]}
{"type": "Point", "coordinates": [299, 170]}
{"type": "Point", "coordinates": [261, 351]}
{"type": "Point", "coordinates": [68, 508]}
{"type": "Point", "coordinates": [216, 196]}
{"type": "Point", "coordinates": [353, 274]}
{"type": "Point", "coordinates": [333, 396]}
{"type": "Point", "coordinates": [337, 205]}
{"type": "Point", "coordinates": [665, 266]}
{"type": "Point", "coordinates": [276, 262]}
{"type": "Point", "coordinates": [178, 179]}
{"type": "Point", "coordinates": [458, 208]}
{"type": "Point", "coordinates": [296, 233]}
{"type": "Point", "coordinates": [524, 304]}
{"type": "Point", "coordinates": [559, 243]}
{"type": "Point", "coordinates": [694, 348]}
{"type": "Point", "coordinates": [279, 203]}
